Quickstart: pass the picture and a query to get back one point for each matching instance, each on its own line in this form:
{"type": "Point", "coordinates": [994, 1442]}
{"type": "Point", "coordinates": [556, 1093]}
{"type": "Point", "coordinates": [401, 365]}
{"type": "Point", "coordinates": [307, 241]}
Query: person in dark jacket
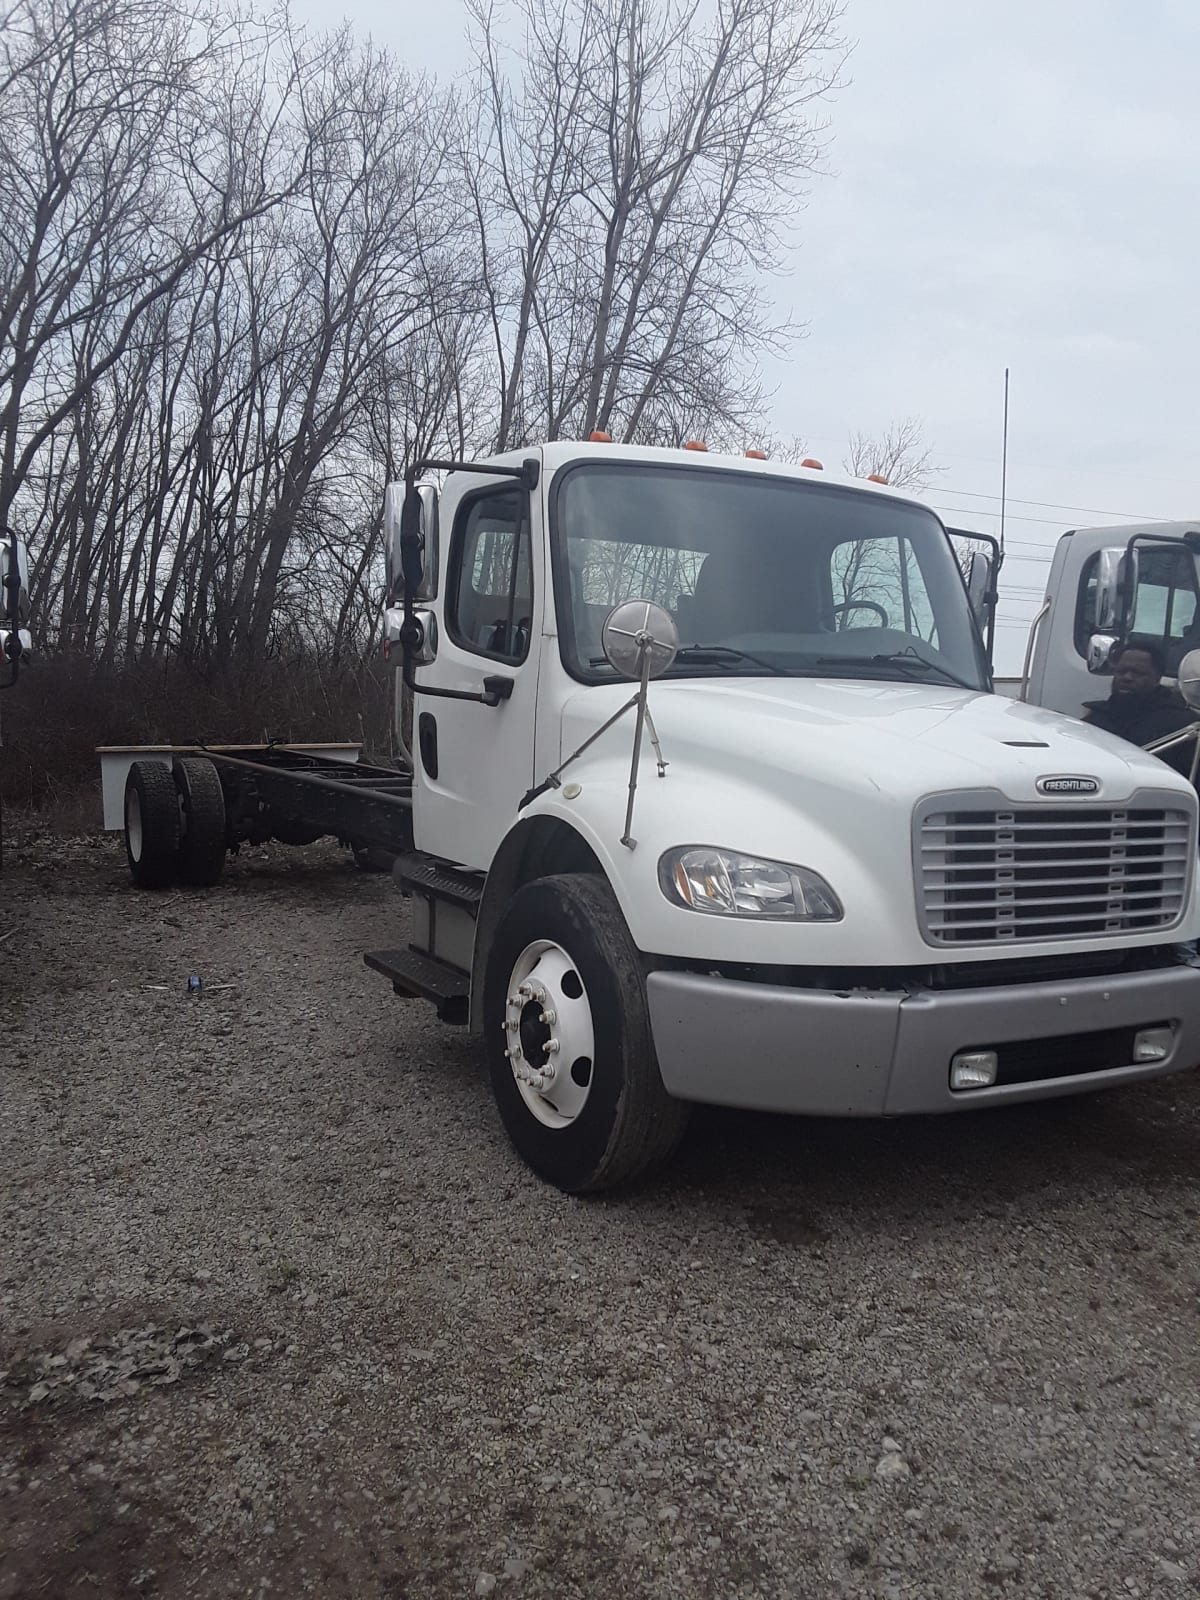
{"type": "Point", "coordinates": [1140, 707]}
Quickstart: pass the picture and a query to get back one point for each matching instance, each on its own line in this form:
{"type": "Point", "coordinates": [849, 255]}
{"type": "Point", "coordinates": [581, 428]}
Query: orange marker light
{"type": "Point", "coordinates": [598, 436]}
{"type": "Point", "coordinates": [811, 461]}
{"type": "Point", "coordinates": [876, 477]}
{"type": "Point", "coordinates": [756, 455]}
{"type": "Point", "coordinates": [695, 444]}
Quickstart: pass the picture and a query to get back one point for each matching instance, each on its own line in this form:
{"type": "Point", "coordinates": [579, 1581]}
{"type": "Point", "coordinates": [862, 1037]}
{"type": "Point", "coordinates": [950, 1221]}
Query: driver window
{"type": "Point", "coordinates": [490, 603]}
{"type": "Point", "coordinates": [878, 583]}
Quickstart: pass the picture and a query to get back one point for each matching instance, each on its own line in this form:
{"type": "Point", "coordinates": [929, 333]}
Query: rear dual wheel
{"type": "Point", "coordinates": [202, 807]}
{"type": "Point", "coordinates": [174, 823]}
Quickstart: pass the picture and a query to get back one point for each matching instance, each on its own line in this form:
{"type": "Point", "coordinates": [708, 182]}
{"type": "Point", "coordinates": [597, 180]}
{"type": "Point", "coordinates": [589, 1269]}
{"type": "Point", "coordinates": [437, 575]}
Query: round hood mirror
{"type": "Point", "coordinates": [1189, 679]}
{"type": "Point", "coordinates": [638, 632]}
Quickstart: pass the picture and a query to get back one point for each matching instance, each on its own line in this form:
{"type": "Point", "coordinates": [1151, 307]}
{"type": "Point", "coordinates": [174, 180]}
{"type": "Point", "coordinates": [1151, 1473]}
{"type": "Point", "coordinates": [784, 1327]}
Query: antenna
{"type": "Point", "coordinates": [1004, 465]}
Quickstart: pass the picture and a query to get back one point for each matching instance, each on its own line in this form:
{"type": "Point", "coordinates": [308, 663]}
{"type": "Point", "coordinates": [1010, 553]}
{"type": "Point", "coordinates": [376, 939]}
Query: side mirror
{"type": "Point", "coordinates": [425, 648]}
{"type": "Point", "coordinates": [16, 643]}
{"type": "Point", "coordinates": [426, 506]}
{"type": "Point", "coordinates": [14, 580]}
{"type": "Point", "coordinates": [1116, 585]}
{"type": "Point", "coordinates": [979, 586]}
{"type": "Point", "coordinates": [1099, 651]}
{"type": "Point", "coordinates": [393, 622]}
{"type": "Point", "coordinates": [639, 638]}
{"type": "Point", "coordinates": [1188, 679]}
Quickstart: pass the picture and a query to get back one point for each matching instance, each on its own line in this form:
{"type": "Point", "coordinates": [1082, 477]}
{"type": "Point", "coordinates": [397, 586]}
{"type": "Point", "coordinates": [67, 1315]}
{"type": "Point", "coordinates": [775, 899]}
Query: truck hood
{"type": "Point", "coordinates": [828, 774]}
{"type": "Point", "coordinates": [896, 739]}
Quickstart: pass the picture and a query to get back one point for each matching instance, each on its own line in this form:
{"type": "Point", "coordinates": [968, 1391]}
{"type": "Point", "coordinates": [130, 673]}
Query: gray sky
{"type": "Point", "coordinates": [1014, 185]}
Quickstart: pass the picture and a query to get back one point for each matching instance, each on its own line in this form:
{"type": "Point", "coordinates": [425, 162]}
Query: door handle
{"type": "Point", "coordinates": [497, 688]}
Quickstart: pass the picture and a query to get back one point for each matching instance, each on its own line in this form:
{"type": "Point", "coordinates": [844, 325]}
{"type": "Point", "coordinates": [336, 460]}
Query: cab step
{"type": "Point", "coordinates": [420, 977]}
{"type": "Point", "coordinates": [439, 880]}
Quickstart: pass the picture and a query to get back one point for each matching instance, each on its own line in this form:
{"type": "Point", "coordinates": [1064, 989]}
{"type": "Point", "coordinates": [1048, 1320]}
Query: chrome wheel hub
{"type": "Point", "coordinates": [548, 1034]}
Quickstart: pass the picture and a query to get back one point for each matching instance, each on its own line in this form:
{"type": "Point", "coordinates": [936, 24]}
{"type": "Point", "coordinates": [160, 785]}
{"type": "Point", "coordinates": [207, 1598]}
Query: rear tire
{"type": "Point", "coordinates": [151, 825]}
{"type": "Point", "coordinates": [562, 950]}
{"type": "Point", "coordinates": [202, 843]}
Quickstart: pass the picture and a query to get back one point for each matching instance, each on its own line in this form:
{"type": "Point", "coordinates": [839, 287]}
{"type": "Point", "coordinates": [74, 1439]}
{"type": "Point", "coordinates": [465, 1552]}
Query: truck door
{"type": "Point", "coordinates": [473, 761]}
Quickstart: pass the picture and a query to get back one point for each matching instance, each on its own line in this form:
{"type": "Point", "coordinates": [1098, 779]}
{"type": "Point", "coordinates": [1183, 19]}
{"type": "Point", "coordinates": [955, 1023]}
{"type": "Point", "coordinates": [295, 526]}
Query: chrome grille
{"type": "Point", "coordinates": [1050, 872]}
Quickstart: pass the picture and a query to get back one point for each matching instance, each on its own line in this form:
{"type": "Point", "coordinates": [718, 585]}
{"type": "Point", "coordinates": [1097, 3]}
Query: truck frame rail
{"type": "Point", "coordinates": [292, 793]}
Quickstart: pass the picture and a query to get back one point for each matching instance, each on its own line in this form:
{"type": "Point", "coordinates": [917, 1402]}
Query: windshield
{"type": "Point", "coordinates": [761, 574]}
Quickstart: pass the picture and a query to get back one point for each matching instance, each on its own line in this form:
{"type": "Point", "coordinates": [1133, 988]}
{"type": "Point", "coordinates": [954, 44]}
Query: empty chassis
{"type": "Point", "coordinates": [170, 803]}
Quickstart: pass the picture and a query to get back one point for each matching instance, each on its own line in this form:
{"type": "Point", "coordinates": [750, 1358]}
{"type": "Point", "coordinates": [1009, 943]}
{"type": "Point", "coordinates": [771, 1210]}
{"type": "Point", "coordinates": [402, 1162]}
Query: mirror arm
{"type": "Point", "coordinates": [551, 782]}
{"type": "Point", "coordinates": [487, 698]}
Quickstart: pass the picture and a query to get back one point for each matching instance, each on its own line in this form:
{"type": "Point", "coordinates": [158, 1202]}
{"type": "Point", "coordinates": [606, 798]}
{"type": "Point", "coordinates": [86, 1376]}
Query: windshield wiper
{"type": "Point", "coordinates": [728, 655]}
{"type": "Point", "coordinates": [717, 655]}
{"type": "Point", "coordinates": [900, 658]}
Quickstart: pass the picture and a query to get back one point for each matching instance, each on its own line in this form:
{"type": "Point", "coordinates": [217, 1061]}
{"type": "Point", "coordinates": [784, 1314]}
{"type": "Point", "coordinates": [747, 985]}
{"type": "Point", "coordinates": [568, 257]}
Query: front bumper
{"type": "Point", "coordinates": [887, 1053]}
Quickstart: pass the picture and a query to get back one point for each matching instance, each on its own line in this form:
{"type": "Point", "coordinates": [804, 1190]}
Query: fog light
{"type": "Point", "coordinates": [1153, 1044]}
{"type": "Point", "coordinates": [973, 1069]}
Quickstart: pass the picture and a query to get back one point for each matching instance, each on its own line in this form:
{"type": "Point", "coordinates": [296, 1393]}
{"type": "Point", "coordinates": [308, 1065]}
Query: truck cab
{"type": "Point", "coordinates": [837, 875]}
{"type": "Point", "coordinates": [1154, 568]}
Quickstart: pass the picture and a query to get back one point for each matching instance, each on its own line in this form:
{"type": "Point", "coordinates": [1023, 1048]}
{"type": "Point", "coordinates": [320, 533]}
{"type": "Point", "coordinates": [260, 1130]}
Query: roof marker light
{"type": "Point", "coordinates": [876, 477]}
{"type": "Point", "coordinates": [598, 436]}
{"type": "Point", "coordinates": [756, 455]}
{"type": "Point", "coordinates": [695, 444]}
{"type": "Point", "coordinates": [811, 461]}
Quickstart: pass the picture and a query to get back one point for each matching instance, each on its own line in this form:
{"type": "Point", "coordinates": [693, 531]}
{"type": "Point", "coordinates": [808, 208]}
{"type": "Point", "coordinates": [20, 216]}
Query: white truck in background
{"type": "Point", "coordinates": [1136, 582]}
{"type": "Point", "coordinates": [710, 800]}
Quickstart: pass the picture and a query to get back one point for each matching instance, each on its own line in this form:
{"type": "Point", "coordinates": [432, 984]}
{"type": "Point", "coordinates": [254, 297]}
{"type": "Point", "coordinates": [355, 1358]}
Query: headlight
{"type": "Point", "coordinates": [732, 885]}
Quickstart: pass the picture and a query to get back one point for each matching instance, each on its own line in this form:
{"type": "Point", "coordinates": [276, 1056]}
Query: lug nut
{"type": "Point", "coordinates": [549, 1016]}
{"type": "Point", "coordinates": [552, 1047]}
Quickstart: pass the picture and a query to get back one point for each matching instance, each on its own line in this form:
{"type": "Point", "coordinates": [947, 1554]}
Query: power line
{"type": "Point", "coordinates": [1046, 505]}
{"type": "Point", "coordinates": [1057, 466]}
{"type": "Point", "coordinates": [983, 511]}
{"type": "Point", "coordinates": [989, 461]}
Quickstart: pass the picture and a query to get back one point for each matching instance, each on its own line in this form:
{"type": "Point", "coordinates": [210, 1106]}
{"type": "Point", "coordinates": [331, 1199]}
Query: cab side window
{"type": "Point", "coordinates": [878, 583]}
{"type": "Point", "coordinates": [490, 603]}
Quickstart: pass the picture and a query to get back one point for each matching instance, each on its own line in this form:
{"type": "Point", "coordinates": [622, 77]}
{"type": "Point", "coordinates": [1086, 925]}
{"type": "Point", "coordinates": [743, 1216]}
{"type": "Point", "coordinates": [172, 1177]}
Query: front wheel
{"type": "Point", "coordinates": [568, 1036]}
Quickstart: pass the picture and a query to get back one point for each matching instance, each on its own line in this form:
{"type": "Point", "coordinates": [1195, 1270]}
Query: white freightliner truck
{"type": "Point", "coordinates": [711, 801]}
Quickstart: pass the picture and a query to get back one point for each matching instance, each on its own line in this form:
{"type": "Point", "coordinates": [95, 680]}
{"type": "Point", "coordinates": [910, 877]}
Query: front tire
{"type": "Point", "coordinates": [568, 1036]}
{"type": "Point", "coordinates": [151, 825]}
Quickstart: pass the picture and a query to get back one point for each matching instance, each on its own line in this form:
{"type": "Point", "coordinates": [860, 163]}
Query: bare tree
{"type": "Point", "coordinates": [205, 479]}
{"type": "Point", "coordinates": [899, 454]}
{"type": "Point", "coordinates": [633, 176]}
{"type": "Point", "coordinates": [132, 139]}
{"type": "Point", "coordinates": [246, 274]}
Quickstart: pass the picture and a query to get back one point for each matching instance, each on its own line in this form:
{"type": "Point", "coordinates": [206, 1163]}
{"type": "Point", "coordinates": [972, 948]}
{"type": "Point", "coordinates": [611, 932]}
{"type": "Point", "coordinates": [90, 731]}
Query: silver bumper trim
{"type": "Point", "coordinates": [887, 1053]}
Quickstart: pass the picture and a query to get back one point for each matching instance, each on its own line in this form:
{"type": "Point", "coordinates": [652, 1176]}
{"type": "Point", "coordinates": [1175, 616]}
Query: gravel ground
{"type": "Point", "coordinates": [280, 1312]}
